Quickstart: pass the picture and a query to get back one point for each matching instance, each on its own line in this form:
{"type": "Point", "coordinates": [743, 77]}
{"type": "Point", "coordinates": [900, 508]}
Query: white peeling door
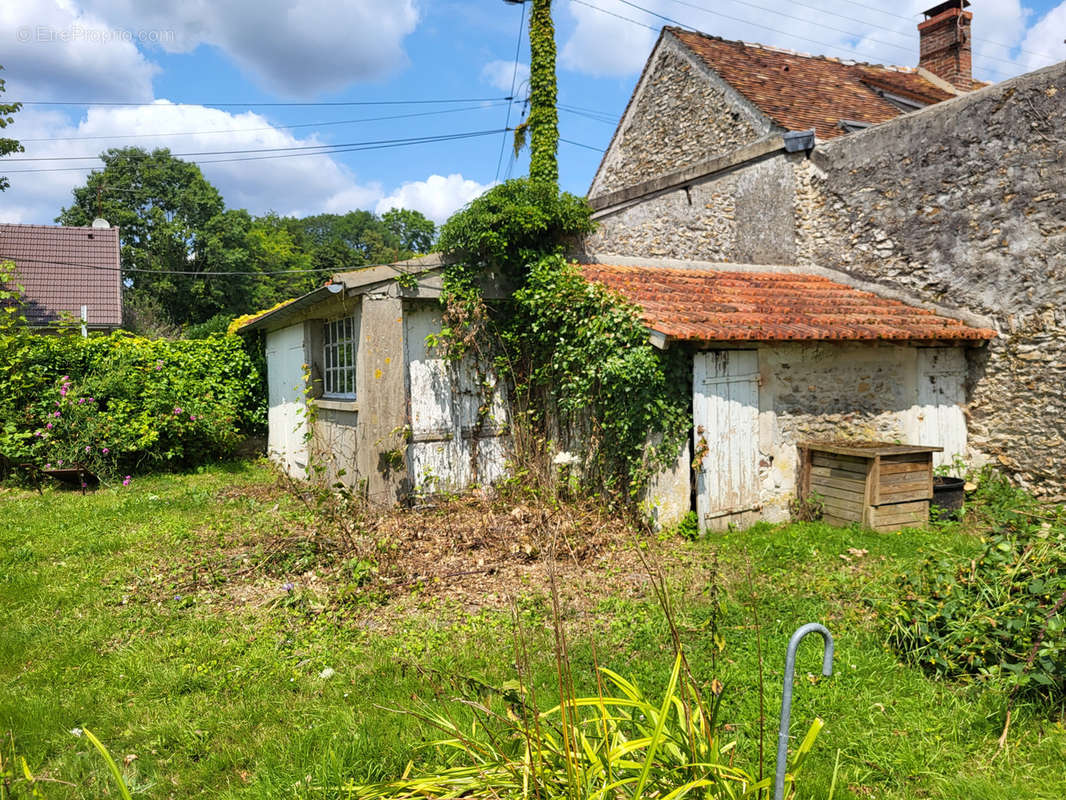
{"type": "Point", "coordinates": [287, 412]}
{"type": "Point", "coordinates": [725, 407]}
{"type": "Point", "coordinates": [941, 398]}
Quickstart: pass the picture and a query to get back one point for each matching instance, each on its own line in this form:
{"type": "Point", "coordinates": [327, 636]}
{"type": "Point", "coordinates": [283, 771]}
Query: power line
{"type": "Point", "coordinates": [618, 16]}
{"type": "Point", "coordinates": [382, 146]}
{"type": "Point", "coordinates": [514, 77]}
{"type": "Point", "coordinates": [582, 144]}
{"type": "Point", "coordinates": [976, 39]}
{"type": "Point", "coordinates": [211, 273]}
{"type": "Point", "coordinates": [320, 149]}
{"type": "Point", "coordinates": [821, 24]}
{"type": "Point", "coordinates": [495, 104]}
{"type": "Point", "coordinates": [322, 104]}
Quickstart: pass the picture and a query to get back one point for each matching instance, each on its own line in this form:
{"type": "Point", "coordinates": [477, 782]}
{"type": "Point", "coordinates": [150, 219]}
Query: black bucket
{"type": "Point", "coordinates": [948, 497]}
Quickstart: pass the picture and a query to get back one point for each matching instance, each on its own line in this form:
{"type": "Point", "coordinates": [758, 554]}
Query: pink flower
{"type": "Point", "coordinates": [126, 480]}
{"type": "Point", "coordinates": [81, 400]}
{"type": "Point", "coordinates": [56, 414]}
{"type": "Point", "coordinates": [92, 399]}
{"type": "Point", "coordinates": [47, 466]}
{"type": "Point", "coordinates": [60, 463]}
{"type": "Point", "coordinates": [177, 410]}
{"type": "Point", "coordinates": [63, 390]}
{"type": "Point", "coordinates": [49, 426]}
{"type": "Point", "coordinates": [88, 449]}
{"type": "Point", "coordinates": [192, 417]}
{"type": "Point", "coordinates": [65, 378]}
{"type": "Point", "coordinates": [105, 451]}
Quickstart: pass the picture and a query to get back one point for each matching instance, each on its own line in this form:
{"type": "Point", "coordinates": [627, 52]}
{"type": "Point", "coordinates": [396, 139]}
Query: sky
{"type": "Point", "coordinates": [395, 103]}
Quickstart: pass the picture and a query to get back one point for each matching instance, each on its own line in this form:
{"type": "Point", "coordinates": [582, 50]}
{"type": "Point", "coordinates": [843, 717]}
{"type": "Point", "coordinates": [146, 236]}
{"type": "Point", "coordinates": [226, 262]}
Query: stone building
{"type": "Point", "coordinates": [918, 184]}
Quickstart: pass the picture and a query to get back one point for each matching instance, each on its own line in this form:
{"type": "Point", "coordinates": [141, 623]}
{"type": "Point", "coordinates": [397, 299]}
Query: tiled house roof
{"type": "Point", "coordinates": [62, 269]}
{"type": "Point", "coordinates": [720, 306]}
{"type": "Point", "coordinates": [799, 92]}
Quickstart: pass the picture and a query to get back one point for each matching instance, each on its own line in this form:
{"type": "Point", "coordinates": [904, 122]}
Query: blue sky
{"type": "Point", "coordinates": [200, 76]}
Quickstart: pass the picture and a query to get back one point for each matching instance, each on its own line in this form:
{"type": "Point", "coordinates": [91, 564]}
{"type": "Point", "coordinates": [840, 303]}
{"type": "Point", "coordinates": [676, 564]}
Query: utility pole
{"type": "Point", "coordinates": [542, 124]}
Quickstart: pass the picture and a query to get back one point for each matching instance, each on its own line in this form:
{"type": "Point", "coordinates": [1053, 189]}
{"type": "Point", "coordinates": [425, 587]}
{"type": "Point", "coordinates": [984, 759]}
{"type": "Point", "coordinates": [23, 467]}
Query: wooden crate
{"type": "Point", "coordinates": [880, 485]}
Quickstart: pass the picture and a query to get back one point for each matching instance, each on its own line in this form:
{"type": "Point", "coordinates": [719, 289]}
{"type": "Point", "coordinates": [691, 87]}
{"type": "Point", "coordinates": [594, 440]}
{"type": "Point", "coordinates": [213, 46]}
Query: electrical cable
{"type": "Point", "coordinates": [321, 104]}
{"type": "Point", "coordinates": [382, 146]}
{"type": "Point", "coordinates": [514, 78]}
{"type": "Point", "coordinates": [320, 149]}
{"type": "Point", "coordinates": [269, 128]}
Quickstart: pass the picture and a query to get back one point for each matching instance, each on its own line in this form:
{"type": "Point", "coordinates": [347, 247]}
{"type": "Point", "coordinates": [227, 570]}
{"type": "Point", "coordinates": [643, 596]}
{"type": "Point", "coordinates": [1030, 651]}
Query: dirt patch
{"type": "Point", "coordinates": [477, 552]}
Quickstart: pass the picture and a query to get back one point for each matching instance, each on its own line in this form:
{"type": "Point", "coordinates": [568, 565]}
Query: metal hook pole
{"type": "Point", "coordinates": [786, 699]}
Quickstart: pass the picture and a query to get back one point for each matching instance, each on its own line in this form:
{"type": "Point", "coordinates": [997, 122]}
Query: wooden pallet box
{"type": "Point", "coordinates": [880, 485]}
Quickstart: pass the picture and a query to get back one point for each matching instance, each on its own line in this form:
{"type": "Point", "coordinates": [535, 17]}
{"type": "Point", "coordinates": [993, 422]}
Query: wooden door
{"type": "Point", "coordinates": [725, 407]}
{"type": "Point", "coordinates": [287, 411]}
{"type": "Point", "coordinates": [941, 398]}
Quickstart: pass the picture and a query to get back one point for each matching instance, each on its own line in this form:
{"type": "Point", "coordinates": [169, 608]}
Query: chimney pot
{"type": "Point", "coordinates": [945, 47]}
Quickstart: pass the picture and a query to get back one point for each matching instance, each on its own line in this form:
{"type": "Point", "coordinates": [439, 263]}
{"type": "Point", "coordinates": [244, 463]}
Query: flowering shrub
{"type": "Point", "coordinates": [119, 403]}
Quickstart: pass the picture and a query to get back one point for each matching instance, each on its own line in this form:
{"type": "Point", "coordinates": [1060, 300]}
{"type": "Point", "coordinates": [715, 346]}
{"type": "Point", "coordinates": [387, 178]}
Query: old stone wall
{"type": "Point", "coordinates": [828, 391]}
{"type": "Point", "coordinates": [744, 215]}
{"type": "Point", "coordinates": [964, 204]}
{"type": "Point", "coordinates": [681, 114]}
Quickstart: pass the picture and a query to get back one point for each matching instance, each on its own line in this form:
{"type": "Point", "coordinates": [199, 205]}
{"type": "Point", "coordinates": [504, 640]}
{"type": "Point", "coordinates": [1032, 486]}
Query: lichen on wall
{"type": "Point", "coordinates": [681, 115]}
{"type": "Point", "coordinates": [964, 204]}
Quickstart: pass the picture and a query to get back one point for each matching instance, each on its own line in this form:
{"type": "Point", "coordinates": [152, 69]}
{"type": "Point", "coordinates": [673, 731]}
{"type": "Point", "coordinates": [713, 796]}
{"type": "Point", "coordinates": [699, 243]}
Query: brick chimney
{"type": "Point", "coordinates": [945, 43]}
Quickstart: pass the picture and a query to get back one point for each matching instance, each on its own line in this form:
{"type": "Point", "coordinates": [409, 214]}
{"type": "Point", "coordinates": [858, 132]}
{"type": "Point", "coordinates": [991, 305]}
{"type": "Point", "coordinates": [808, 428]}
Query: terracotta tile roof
{"type": "Point", "coordinates": [62, 269]}
{"type": "Point", "coordinates": [799, 92]}
{"type": "Point", "coordinates": [712, 305]}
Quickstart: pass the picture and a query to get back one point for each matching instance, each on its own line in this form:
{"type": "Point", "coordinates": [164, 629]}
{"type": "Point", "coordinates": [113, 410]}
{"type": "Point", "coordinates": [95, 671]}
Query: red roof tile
{"type": "Point", "coordinates": [799, 92]}
{"type": "Point", "coordinates": [62, 269]}
{"type": "Point", "coordinates": [712, 305]}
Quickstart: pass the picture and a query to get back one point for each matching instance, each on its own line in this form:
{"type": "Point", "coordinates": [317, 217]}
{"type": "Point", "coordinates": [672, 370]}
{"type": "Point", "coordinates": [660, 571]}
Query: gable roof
{"type": "Point", "coordinates": [702, 305]}
{"type": "Point", "coordinates": [799, 92]}
{"type": "Point", "coordinates": [62, 269]}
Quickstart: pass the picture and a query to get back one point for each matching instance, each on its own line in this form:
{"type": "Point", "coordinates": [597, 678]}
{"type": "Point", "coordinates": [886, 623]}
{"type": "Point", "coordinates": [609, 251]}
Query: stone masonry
{"type": "Point", "coordinates": [962, 204]}
{"type": "Point", "coordinates": [676, 119]}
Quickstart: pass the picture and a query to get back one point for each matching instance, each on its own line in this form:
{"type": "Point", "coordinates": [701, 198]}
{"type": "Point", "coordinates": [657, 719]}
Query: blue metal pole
{"type": "Point", "coordinates": [786, 699]}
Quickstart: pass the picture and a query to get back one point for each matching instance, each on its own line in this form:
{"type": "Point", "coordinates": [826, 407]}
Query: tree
{"type": "Point", "coordinates": [411, 230]}
{"type": "Point", "coordinates": [7, 145]}
{"type": "Point", "coordinates": [162, 206]}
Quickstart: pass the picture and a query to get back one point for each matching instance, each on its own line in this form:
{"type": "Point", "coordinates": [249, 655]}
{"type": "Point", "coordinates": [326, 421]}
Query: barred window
{"type": "Point", "coordinates": [339, 340]}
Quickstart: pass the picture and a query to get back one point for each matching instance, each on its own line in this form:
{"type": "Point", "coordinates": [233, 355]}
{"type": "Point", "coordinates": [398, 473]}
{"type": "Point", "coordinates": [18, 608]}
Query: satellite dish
{"type": "Point", "coordinates": [100, 222]}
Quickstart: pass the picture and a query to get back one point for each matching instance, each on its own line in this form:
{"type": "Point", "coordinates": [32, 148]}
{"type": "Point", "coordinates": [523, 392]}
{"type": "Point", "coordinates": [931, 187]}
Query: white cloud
{"type": "Point", "coordinates": [55, 51]}
{"type": "Point", "coordinates": [500, 73]}
{"type": "Point", "coordinates": [437, 197]}
{"type": "Point", "coordinates": [295, 186]}
{"type": "Point", "coordinates": [1043, 44]}
{"type": "Point", "coordinates": [297, 47]}
{"type": "Point", "coordinates": [602, 44]}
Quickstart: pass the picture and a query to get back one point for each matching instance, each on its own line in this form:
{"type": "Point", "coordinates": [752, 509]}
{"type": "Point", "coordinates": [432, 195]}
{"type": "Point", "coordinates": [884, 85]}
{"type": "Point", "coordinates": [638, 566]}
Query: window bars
{"type": "Point", "coordinates": [339, 341]}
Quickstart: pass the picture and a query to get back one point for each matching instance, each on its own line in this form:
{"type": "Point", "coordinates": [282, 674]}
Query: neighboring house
{"type": "Point", "coordinates": [950, 200]}
{"type": "Point", "coordinates": [72, 273]}
{"type": "Point", "coordinates": [385, 408]}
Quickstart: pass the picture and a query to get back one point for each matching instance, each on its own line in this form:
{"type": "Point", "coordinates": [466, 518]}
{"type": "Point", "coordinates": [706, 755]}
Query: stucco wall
{"type": "Point", "coordinates": [681, 113]}
{"type": "Point", "coordinates": [965, 204]}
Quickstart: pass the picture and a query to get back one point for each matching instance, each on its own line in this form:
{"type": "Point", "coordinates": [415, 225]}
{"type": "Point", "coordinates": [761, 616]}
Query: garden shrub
{"type": "Point", "coordinates": [120, 403]}
{"type": "Point", "coordinates": [998, 617]}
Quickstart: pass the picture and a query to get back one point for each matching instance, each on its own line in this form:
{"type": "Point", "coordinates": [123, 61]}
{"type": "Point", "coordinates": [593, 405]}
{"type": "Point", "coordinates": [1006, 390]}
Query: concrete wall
{"type": "Point", "coordinates": [962, 204]}
{"type": "Point", "coordinates": [681, 113]}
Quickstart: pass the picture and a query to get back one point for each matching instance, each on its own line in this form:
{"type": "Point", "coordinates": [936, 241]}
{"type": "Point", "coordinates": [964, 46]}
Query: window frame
{"type": "Point", "coordinates": [340, 357]}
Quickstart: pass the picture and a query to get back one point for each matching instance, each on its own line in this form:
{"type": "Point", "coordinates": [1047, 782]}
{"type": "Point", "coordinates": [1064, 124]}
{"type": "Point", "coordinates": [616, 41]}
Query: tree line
{"type": "Point", "coordinates": [175, 231]}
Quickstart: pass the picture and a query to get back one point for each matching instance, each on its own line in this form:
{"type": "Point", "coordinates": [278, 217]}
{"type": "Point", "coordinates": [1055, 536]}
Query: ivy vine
{"type": "Point", "coordinates": [577, 356]}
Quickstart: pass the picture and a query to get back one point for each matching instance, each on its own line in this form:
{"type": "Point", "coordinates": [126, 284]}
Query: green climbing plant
{"type": "Point", "coordinates": [584, 375]}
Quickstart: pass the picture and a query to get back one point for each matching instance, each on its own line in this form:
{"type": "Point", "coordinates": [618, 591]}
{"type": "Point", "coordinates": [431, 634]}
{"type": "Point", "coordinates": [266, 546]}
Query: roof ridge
{"type": "Point", "coordinates": [798, 53]}
{"type": "Point", "coordinates": [55, 227]}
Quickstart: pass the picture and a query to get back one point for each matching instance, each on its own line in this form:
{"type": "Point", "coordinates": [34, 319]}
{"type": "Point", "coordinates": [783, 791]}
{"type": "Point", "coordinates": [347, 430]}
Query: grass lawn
{"type": "Point", "coordinates": [157, 617]}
